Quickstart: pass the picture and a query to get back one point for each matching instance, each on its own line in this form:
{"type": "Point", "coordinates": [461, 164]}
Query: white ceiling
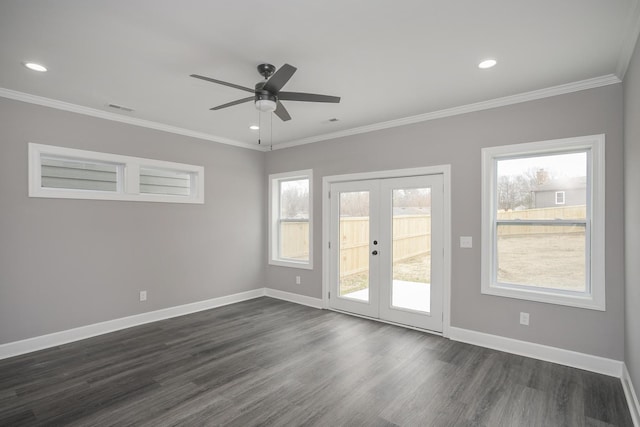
{"type": "Point", "coordinates": [387, 59]}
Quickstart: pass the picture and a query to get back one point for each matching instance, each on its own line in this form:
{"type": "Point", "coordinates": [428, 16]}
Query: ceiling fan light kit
{"type": "Point", "coordinates": [266, 105]}
{"type": "Point", "coordinates": [267, 94]}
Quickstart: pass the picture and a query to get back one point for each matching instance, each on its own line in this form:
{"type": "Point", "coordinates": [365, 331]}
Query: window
{"type": "Point", "coordinates": [290, 219]}
{"type": "Point", "coordinates": [543, 221]}
{"type": "Point", "coordinates": [165, 181]}
{"type": "Point", "coordinates": [79, 174]}
{"type": "Point", "coordinates": [58, 172]}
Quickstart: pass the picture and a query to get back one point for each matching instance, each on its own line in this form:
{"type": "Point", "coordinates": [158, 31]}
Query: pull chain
{"type": "Point", "coordinates": [259, 127]}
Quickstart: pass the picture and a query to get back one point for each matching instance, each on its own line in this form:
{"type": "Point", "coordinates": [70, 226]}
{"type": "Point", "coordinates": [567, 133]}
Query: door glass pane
{"type": "Point", "coordinates": [411, 231]}
{"type": "Point", "coordinates": [354, 245]}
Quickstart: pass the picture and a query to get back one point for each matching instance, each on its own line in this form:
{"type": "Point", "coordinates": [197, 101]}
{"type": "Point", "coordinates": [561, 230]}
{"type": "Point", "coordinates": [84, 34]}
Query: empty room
{"type": "Point", "coordinates": [332, 213]}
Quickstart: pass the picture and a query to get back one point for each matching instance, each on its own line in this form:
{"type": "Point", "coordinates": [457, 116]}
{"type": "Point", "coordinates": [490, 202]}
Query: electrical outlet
{"type": "Point", "coordinates": [298, 280]}
{"type": "Point", "coordinates": [143, 295]}
{"type": "Point", "coordinates": [466, 241]}
{"type": "Point", "coordinates": [524, 318]}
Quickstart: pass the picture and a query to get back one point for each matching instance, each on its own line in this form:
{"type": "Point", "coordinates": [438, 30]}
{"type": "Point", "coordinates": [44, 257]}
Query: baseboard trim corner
{"type": "Point", "coordinates": [54, 339]}
{"type": "Point", "coordinates": [291, 297]}
{"type": "Point", "coordinates": [632, 397]}
{"type": "Point", "coordinates": [574, 359]}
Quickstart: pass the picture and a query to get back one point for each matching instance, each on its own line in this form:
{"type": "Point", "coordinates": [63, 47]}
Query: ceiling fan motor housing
{"type": "Point", "coordinates": [264, 100]}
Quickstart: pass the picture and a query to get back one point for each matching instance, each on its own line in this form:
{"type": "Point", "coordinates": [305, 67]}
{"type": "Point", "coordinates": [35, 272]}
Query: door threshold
{"type": "Point", "coordinates": [402, 325]}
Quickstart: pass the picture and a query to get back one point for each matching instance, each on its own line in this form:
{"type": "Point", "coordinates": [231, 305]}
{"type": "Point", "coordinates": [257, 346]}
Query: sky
{"type": "Point", "coordinates": [558, 165]}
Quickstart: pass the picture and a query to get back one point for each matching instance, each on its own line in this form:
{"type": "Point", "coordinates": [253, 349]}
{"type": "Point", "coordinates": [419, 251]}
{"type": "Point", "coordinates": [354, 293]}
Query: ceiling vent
{"type": "Point", "coordinates": [120, 107]}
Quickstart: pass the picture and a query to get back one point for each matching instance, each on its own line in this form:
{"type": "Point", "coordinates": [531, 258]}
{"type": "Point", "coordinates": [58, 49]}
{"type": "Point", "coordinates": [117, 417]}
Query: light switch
{"type": "Point", "coordinates": [466, 242]}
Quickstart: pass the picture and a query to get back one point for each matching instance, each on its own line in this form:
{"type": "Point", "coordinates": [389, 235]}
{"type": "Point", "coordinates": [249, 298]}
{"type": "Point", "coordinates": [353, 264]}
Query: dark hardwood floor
{"type": "Point", "coordinates": [270, 362]}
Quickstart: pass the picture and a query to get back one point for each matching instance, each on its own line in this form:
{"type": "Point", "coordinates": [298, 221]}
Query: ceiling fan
{"type": "Point", "coordinates": [267, 94]}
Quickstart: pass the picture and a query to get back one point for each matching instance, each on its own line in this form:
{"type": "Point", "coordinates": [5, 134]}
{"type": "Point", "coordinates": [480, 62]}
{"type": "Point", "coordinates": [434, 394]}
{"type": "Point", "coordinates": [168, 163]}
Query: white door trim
{"type": "Point", "coordinates": [445, 171]}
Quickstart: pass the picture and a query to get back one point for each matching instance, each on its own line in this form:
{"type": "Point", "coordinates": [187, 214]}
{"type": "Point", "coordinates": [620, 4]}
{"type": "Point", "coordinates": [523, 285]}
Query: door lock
{"type": "Point", "coordinates": [374, 253]}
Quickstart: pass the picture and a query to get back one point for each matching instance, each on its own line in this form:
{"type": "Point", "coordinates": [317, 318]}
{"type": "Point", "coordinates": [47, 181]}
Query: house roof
{"type": "Point", "coordinates": [563, 184]}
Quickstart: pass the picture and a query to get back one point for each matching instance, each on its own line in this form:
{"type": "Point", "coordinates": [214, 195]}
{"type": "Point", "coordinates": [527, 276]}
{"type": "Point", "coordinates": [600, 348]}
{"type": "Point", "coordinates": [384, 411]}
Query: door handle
{"type": "Point", "coordinates": [374, 253]}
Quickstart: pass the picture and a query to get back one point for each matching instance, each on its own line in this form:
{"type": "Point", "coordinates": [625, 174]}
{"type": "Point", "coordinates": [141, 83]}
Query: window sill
{"type": "Point", "coordinates": [546, 296]}
{"type": "Point", "coordinates": [292, 264]}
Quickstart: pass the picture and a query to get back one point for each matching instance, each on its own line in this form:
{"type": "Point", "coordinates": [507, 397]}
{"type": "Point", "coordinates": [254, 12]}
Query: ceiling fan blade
{"type": "Point", "coordinates": [232, 103]}
{"type": "Point", "coordinates": [220, 82]}
{"type": "Point", "coordinates": [280, 78]}
{"type": "Point", "coordinates": [282, 112]}
{"type": "Point", "coordinates": [307, 97]}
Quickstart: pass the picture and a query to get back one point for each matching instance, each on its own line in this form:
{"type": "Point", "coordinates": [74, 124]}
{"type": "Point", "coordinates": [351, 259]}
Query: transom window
{"type": "Point", "coordinates": [543, 221]}
{"type": "Point", "coordinates": [60, 172]}
{"type": "Point", "coordinates": [290, 210]}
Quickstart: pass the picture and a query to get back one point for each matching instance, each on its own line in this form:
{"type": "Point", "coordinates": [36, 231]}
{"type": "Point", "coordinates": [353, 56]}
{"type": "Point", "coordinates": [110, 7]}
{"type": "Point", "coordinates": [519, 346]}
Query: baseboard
{"type": "Point", "coordinates": [632, 397]}
{"type": "Point", "coordinates": [291, 297]}
{"type": "Point", "coordinates": [58, 338]}
{"type": "Point", "coordinates": [574, 359]}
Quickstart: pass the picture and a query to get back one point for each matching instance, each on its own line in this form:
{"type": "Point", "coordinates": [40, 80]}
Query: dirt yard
{"type": "Point", "coordinates": [549, 260]}
{"type": "Point", "coordinates": [416, 269]}
{"type": "Point", "coordinates": [543, 261]}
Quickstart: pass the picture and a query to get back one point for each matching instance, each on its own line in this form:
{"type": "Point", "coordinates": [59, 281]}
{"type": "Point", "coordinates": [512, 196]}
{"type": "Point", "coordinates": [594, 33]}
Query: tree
{"type": "Point", "coordinates": [516, 191]}
{"type": "Point", "coordinates": [294, 199]}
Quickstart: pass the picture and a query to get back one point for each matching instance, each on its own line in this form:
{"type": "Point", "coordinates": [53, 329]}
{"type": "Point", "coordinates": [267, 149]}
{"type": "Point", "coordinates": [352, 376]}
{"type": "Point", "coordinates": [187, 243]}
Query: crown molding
{"type": "Point", "coordinates": [463, 109]}
{"type": "Point", "coordinates": [629, 43]}
{"type": "Point", "coordinates": [87, 111]}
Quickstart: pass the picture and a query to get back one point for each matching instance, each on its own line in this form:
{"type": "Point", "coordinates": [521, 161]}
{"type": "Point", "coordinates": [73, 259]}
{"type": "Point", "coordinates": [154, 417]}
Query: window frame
{"type": "Point", "coordinates": [127, 176]}
{"type": "Point", "coordinates": [564, 195]}
{"type": "Point", "coordinates": [275, 221]}
{"type": "Point", "coordinates": [594, 297]}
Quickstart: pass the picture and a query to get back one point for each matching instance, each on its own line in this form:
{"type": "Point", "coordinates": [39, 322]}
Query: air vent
{"type": "Point", "coordinates": [120, 107]}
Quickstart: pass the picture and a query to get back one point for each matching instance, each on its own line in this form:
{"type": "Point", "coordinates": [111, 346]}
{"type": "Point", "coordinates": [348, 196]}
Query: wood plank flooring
{"type": "Point", "coordinates": [270, 362]}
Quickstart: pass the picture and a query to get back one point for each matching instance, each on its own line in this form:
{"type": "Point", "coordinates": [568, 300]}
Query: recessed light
{"type": "Point", "coordinates": [487, 63]}
{"type": "Point", "coordinates": [35, 67]}
{"type": "Point", "coordinates": [254, 127]}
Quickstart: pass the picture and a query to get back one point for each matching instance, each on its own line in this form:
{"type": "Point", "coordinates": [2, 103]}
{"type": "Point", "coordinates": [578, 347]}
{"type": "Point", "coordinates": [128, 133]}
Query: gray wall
{"type": "Point", "coordinates": [68, 263]}
{"type": "Point", "coordinates": [632, 216]}
{"type": "Point", "coordinates": [458, 141]}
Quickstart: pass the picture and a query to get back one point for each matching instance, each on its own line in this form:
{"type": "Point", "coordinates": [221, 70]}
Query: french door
{"type": "Point", "coordinates": [386, 249]}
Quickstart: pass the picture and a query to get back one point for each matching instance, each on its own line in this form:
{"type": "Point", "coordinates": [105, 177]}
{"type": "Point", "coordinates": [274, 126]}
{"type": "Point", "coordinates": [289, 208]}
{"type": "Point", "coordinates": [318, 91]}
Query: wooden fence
{"type": "Point", "coordinates": [295, 240]}
{"type": "Point", "coordinates": [412, 235]}
{"type": "Point", "coordinates": [568, 212]}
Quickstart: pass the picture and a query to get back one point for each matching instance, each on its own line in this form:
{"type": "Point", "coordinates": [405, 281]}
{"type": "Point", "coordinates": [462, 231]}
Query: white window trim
{"type": "Point", "coordinates": [595, 146]}
{"type": "Point", "coordinates": [128, 185]}
{"type": "Point", "coordinates": [563, 197]}
{"type": "Point", "coordinates": [274, 205]}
